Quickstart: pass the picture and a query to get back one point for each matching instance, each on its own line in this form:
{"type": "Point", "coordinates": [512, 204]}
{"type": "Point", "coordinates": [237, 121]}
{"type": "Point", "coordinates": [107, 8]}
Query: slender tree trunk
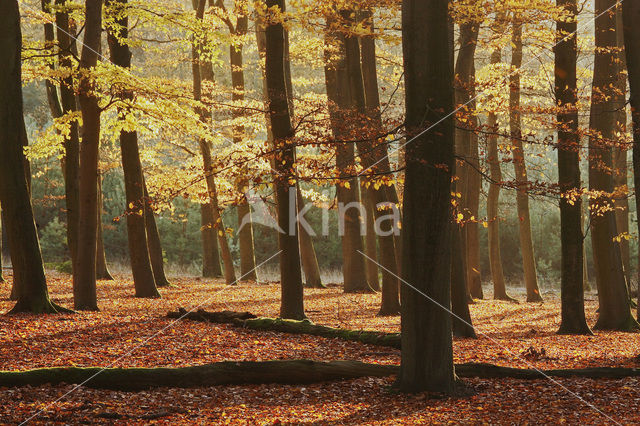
{"type": "Point", "coordinates": [573, 319]}
{"type": "Point", "coordinates": [72, 141]}
{"type": "Point", "coordinates": [156, 254]}
{"type": "Point", "coordinates": [245, 234]}
{"type": "Point", "coordinates": [631, 17]}
{"type": "Point", "coordinates": [143, 278]}
{"type": "Point", "coordinates": [493, 203]}
{"type": "Point", "coordinates": [343, 115]}
{"type": "Point", "coordinates": [292, 304]}
{"type": "Point", "coordinates": [519, 163]}
{"type": "Point", "coordinates": [84, 283]}
{"type": "Point", "coordinates": [210, 255]}
{"type": "Point", "coordinates": [613, 295]}
{"type": "Point", "coordinates": [374, 157]}
{"type": "Point", "coordinates": [102, 270]}
{"type": "Point", "coordinates": [427, 353]}
{"type": "Point", "coordinates": [307, 251]}
{"type": "Point", "coordinates": [620, 173]}
{"type": "Point", "coordinates": [28, 267]}
{"type": "Point", "coordinates": [370, 243]}
{"type": "Point", "coordinates": [207, 163]}
{"type": "Point", "coordinates": [462, 326]}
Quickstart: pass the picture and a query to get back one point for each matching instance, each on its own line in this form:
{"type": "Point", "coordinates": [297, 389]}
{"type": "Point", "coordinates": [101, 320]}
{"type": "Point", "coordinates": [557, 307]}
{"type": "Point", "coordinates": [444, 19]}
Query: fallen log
{"type": "Point", "coordinates": [220, 373]}
{"type": "Point", "coordinates": [294, 372]}
{"type": "Point", "coordinates": [250, 321]}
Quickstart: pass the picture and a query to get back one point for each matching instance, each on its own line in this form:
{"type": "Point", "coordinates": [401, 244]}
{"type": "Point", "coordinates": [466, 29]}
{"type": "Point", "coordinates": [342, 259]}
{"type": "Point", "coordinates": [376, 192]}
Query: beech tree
{"type": "Point", "coordinates": [573, 319]}
{"type": "Point", "coordinates": [28, 267]}
{"type": "Point", "coordinates": [284, 181]}
{"type": "Point", "coordinates": [427, 353]}
{"type": "Point", "coordinates": [84, 281]}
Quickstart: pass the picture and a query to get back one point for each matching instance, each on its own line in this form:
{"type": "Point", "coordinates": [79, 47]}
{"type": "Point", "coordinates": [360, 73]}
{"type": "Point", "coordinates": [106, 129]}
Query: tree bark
{"type": "Point", "coordinates": [84, 283]}
{"type": "Point", "coordinates": [462, 326]}
{"type": "Point", "coordinates": [344, 109]}
{"type": "Point", "coordinates": [370, 241]}
{"type": "Point", "coordinates": [520, 167]}
{"type": "Point", "coordinates": [493, 203]}
{"type": "Point", "coordinates": [210, 255]}
{"type": "Point", "coordinates": [427, 353]}
{"type": "Point", "coordinates": [102, 270]}
{"type": "Point", "coordinates": [573, 319]}
{"type": "Point", "coordinates": [28, 267]}
{"type": "Point", "coordinates": [292, 305]}
{"type": "Point", "coordinates": [67, 46]}
{"type": "Point", "coordinates": [143, 277]}
{"type": "Point", "coordinates": [308, 257]}
{"type": "Point", "coordinates": [631, 16]}
{"type": "Point", "coordinates": [613, 295]}
{"type": "Point", "coordinates": [207, 163]}
{"type": "Point", "coordinates": [153, 239]}
{"type": "Point", "coordinates": [245, 235]}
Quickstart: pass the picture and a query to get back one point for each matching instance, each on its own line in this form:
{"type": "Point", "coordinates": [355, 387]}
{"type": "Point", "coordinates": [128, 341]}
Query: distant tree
{"type": "Point", "coordinates": [573, 319]}
{"type": "Point", "coordinates": [427, 353]}
{"type": "Point", "coordinates": [28, 267]}
{"type": "Point", "coordinates": [631, 17]}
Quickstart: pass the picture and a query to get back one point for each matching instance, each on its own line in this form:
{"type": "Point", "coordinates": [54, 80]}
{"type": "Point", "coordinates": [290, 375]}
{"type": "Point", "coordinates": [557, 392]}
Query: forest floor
{"type": "Point", "coordinates": [130, 332]}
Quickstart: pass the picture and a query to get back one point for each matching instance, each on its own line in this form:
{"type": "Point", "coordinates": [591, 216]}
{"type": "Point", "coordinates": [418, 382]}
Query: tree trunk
{"type": "Point", "coordinates": [72, 141]}
{"type": "Point", "coordinates": [631, 17]}
{"type": "Point", "coordinates": [143, 278]}
{"type": "Point", "coordinates": [620, 172]}
{"type": "Point", "coordinates": [102, 270]}
{"type": "Point", "coordinates": [493, 203]}
{"type": "Point", "coordinates": [153, 240]}
{"type": "Point", "coordinates": [464, 133]}
{"type": "Point", "coordinates": [28, 267]}
{"type": "Point", "coordinates": [207, 163]}
{"type": "Point", "coordinates": [292, 305]}
{"type": "Point", "coordinates": [462, 326]}
{"type": "Point", "coordinates": [573, 319]}
{"type": "Point", "coordinates": [308, 257]}
{"type": "Point", "coordinates": [520, 167]}
{"type": "Point", "coordinates": [210, 255]}
{"type": "Point", "coordinates": [370, 243]}
{"type": "Point", "coordinates": [374, 157]}
{"type": "Point", "coordinates": [84, 283]}
{"type": "Point", "coordinates": [614, 312]}
{"type": "Point", "coordinates": [427, 353]}
{"type": "Point", "coordinates": [344, 111]}
{"type": "Point", "coordinates": [245, 234]}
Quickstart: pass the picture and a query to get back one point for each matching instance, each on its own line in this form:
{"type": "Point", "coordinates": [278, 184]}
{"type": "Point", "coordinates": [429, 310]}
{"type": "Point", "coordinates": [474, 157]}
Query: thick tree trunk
{"type": "Point", "coordinates": [566, 90]}
{"type": "Point", "coordinates": [84, 282]}
{"type": "Point", "coordinates": [72, 141]}
{"type": "Point", "coordinates": [207, 163]}
{"type": "Point", "coordinates": [210, 255]}
{"type": "Point", "coordinates": [613, 295]}
{"type": "Point", "coordinates": [344, 115]}
{"type": "Point", "coordinates": [631, 17]}
{"type": "Point", "coordinates": [143, 277]}
{"type": "Point", "coordinates": [520, 168]}
{"type": "Point", "coordinates": [427, 353]}
{"type": "Point", "coordinates": [26, 258]}
{"type": "Point", "coordinates": [102, 270]}
{"type": "Point", "coordinates": [153, 240]}
{"type": "Point", "coordinates": [292, 305]}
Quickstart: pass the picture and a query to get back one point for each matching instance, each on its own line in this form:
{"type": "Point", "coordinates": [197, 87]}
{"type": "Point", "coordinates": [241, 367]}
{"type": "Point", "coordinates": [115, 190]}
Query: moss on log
{"type": "Point", "coordinates": [221, 373]}
{"type": "Point", "coordinates": [247, 320]}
